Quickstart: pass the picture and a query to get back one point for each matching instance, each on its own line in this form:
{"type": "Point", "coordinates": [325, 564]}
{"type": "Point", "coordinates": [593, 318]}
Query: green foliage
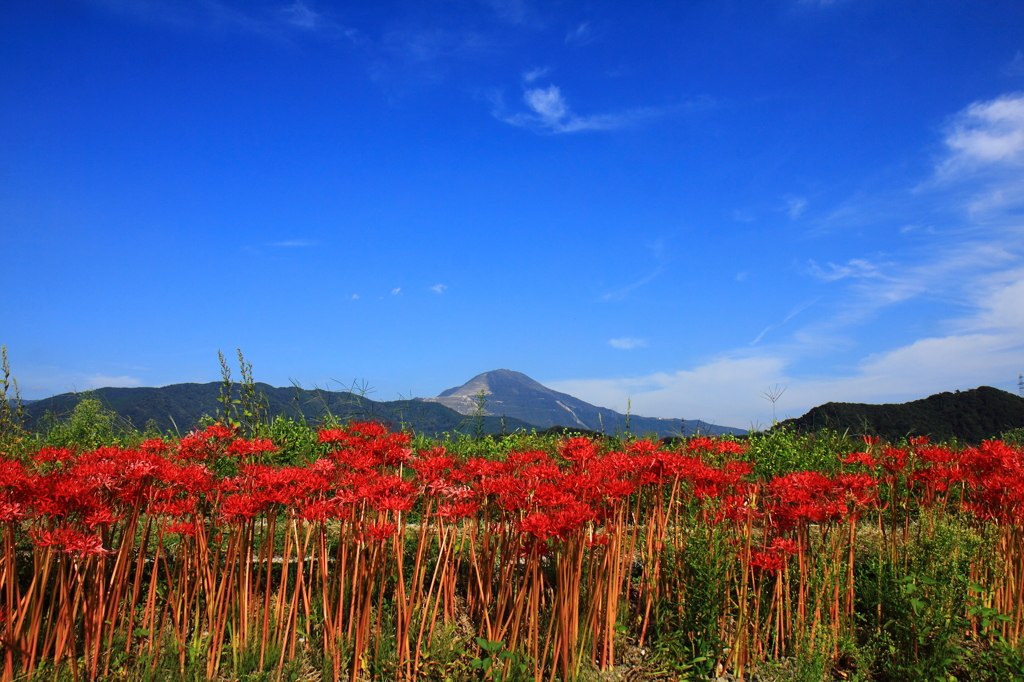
{"type": "Point", "coordinates": [1013, 436]}
{"type": "Point", "coordinates": [498, 664]}
{"type": "Point", "coordinates": [90, 425]}
{"type": "Point", "coordinates": [12, 413]}
{"type": "Point", "coordinates": [685, 634]}
{"type": "Point", "coordinates": [479, 413]}
{"type": "Point", "coordinates": [783, 451]}
{"type": "Point", "coordinates": [916, 605]}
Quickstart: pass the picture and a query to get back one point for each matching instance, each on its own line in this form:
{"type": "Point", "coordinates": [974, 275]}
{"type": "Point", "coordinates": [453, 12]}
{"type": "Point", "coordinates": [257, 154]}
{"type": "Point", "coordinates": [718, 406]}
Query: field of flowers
{"type": "Point", "coordinates": [352, 552]}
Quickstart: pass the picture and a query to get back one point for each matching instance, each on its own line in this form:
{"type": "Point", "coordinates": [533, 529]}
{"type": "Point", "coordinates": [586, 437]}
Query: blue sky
{"type": "Point", "coordinates": [678, 204]}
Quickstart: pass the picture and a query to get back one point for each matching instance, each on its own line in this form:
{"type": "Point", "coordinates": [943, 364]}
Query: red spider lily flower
{"type": "Point", "coordinates": [189, 528]}
{"type": "Point", "coordinates": [739, 469]}
{"type": "Point", "coordinates": [71, 541]}
{"type": "Point", "coordinates": [579, 451]}
{"type": "Point", "coordinates": [177, 507]}
{"type": "Point", "coordinates": [784, 546]}
{"type": "Point", "coordinates": [773, 558]}
{"type": "Point", "coordinates": [332, 436]}
{"type": "Point", "coordinates": [11, 512]}
{"type": "Point", "coordinates": [700, 444]}
{"type": "Point", "coordinates": [520, 460]}
{"type": "Point", "coordinates": [918, 440]}
{"type": "Point", "coordinates": [457, 510]}
{"type": "Point", "coordinates": [319, 511]}
{"type": "Point", "coordinates": [52, 454]}
{"type": "Point", "coordinates": [155, 446]}
{"type": "Point", "coordinates": [640, 448]}
{"type": "Point", "coordinates": [548, 494]}
{"type": "Point", "coordinates": [540, 526]}
{"type": "Point", "coordinates": [16, 485]}
{"type": "Point", "coordinates": [857, 489]}
{"type": "Point", "coordinates": [388, 493]}
{"type": "Point", "coordinates": [241, 507]}
{"type": "Point", "coordinates": [218, 430]}
{"type": "Point", "coordinates": [195, 447]}
{"type": "Point", "coordinates": [730, 447]}
{"type": "Point", "coordinates": [323, 467]}
{"type": "Point", "coordinates": [769, 562]}
{"type": "Point", "coordinates": [807, 496]}
{"type": "Point", "coordinates": [369, 430]}
{"type": "Point", "coordinates": [102, 516]}
{"type": "Point", "coordinates": [894, 460]}
{"type": "Point", "coordinates": [257, 446]}
{"type": "Point", "coordinates": [870, 440]}
{"type": "Point", "coordinates": [432, 467]}
{"type": "Point", "coordinates": [190, 478]}
{"type": "Point", "coordinates": [936, 454]}
{"type": "Point", "coordinates": [380, 532]}
{"type": "Point", "coordinates": [863, 458]}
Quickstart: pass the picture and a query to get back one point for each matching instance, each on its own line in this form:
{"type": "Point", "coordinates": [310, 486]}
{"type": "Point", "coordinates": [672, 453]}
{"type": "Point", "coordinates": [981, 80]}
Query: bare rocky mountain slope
{"type": "Point", "coordinates": [513, 394]}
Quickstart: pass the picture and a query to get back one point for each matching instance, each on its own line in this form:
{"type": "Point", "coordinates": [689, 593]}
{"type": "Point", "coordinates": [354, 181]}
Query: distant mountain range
{"type": "Point", "coordinates": [513, 394]}
{"type": "Point", "coordinates": [969, 416]}
{"type": "Point", "coordinates": [179, 407]}
{"type": "Point", "coordinates": [514, 401]}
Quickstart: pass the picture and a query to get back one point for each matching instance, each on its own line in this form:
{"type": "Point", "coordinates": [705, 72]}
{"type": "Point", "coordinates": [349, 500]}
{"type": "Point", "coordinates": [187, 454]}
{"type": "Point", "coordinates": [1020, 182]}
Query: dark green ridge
{"type": "Point", "coordinates": [970, 417]}
{"type": "Point", "coordinates": [179, 407]}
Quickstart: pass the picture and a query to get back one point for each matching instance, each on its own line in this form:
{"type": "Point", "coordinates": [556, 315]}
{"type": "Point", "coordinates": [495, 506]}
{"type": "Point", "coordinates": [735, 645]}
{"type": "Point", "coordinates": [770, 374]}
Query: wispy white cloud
{"type": "Point", "coordinates": [300, 15]}
{"type": "Point", "coordinates": [511, 11]}
{"type": "Point", "coordinates": [425, 45]}
{"type": "Point", "coordinates": [1014, 67]}
{"type": "Point", "coordinates": [294, 243]}
{"type": "Point", "coordinates": [986, 133]}
{"type": "Point", "coordinates": [549, 112]}
{"type": "Point", "coordinates": [354, 297]}
{"type": "Point", "coordinates": [439, 288]}
{"type": "Point", "coordinates": [216, 15]}
{"type": "Point", "coordinates": [973, 266]}
{"type": "Point", "coordinates": [793, 313]}
{"type": "Point", "coordinates": [620, 294]}
{"type": "Point", "coordinates": [627, 343]}
{"type": "Point", "coordinates": [533, 74]}
{"type": "Point", "coordinates": [858, 268]}
{"type": "Point", "coordinates": [795, 207]}
{"type": "Point", "coordinates": [725, 390]}
{"type": "Point", "coordinates": [396, 291]}
{"type": "Point", "coordinates": [581, 35]}
{"type": "Point", "coordinates": [101, 381]}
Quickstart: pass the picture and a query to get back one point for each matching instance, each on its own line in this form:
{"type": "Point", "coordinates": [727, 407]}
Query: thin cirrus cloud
{"type": "Point", "coordinates": [534, 74]}
{"type": "Point", "coordinates": [1015, 67]}
{"type": "Point", "coordinates": [627, 343]}
{"type": "Point", "coordinates": [793, 313]}
{"type": "Point", "coordinates": [975, 265]}
{"type": "Point", "coordinates": [581, 35]}
{"type": "Point", "coordinates": [293, 243]}
{"type": "Point", "coordinates": [101, 381]}
{"type": "Point", "coordinates": [795, 207]}
{"type": "Point", "coordinates": [549, 112]}
{"type": "Point", "coordinates": [439, 288]}
{"type": "Point", "coordinates": [216, 15]}
{"type": "Point", "coordinates": [620, 294]}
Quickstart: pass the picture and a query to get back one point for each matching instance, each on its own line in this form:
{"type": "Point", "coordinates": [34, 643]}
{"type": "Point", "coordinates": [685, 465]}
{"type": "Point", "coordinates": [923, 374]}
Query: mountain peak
{"type": "Point", "coordinates": [513, 394]}
{"type": "Point", "coordinates": [497, 381]}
